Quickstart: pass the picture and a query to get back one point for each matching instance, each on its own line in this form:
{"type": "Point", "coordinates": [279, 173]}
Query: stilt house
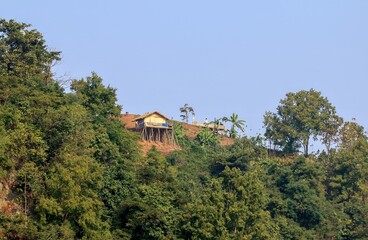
{"type": "Point", "coordinates": [155, 127]}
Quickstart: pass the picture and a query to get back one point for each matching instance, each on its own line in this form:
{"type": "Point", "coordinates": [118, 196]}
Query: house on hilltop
{"type": "Point", "coordinates": [154, 127]}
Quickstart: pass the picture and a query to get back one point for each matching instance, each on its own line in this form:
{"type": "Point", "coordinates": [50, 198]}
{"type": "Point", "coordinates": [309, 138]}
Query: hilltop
{"type": "Point", "coordinates": [190, 130]}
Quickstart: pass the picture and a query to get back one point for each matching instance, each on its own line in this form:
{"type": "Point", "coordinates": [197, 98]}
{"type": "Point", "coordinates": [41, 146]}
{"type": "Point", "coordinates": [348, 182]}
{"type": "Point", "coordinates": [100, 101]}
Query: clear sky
{"type": "Point", "coordinates": [219, 57]}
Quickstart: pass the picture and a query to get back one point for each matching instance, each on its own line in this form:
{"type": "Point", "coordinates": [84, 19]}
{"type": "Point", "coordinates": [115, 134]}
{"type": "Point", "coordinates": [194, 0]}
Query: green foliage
{"type": "Point", "coordinates": [73, 182]}
{"type": "Point", "coordinates": [25, 50]}
{"type": "Point", "coordinates": [69, 169]}
{"type": "Point", "coordinates": [240, 155]}
{"type": "Point", "coordinates": [99, 100]}
{"type": "Point", "coordinates": [330, 131]}
{"type": "Point", "coordinates": [6, 164]}
{"type": "Point", "coordinates": [235, 124]}
{"type": "Point", "coordinates": [350, 134]}
{"type": "Point", "coordinates": [207, 138]}
{"type": "Point", "coordinates": [231, 207]}
{"type": "Point", "coordinates": [150, 212]}
{"type": "Point", "coordinates": [180, 137]}
{"type": "Point", "coordinates": [299, 117]}
{"type": "Point", "coordinates": [347, 184]}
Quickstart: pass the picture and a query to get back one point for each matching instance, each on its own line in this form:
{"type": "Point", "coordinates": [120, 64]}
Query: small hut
{"type": "Point", "coordinates": [212, 126]}
{"type": "Point", "coordinates": [154, 127]}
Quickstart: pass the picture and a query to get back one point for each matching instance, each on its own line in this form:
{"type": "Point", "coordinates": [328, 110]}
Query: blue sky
{"type": "Point", "coordinates": [219, 57]}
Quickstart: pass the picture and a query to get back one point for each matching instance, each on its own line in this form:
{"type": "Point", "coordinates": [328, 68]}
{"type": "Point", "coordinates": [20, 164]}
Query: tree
{"type": "Point", "coordinates": [179, 135]}
{"type": "Point", "coordinates": [74, 180]}
{"type": "Point", "coordinates": [235, 124]}
{"type": "Point", "coordinates": [299, 117]}
{"type": "Point", "coordinates": [186, 110]}
{"type": "Point", "coordinates": [330, 130]}
{"type": "Point", "coordinates": [23, 52]}
{"type": "Point", "coordinates": [350, 133]}
{"type": "Point", "coordinates": [297, 200]}
{"type": "Point", "coordinates": [348, 181]}
{"type": "Point", "coordinates": [100, 100]}
{"type": "Point", "coordinates": [232, 206]}
{"type": "Point", "coordinates": [150, 212]}
{"type": "Point", "coordinates": [207, 138]}
{"type": "Point", "coordinates": [28, 85]}
{"type": "Point", "coordinates": [278, 135]}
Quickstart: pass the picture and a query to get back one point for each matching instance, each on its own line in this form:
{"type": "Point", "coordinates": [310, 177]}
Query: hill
{"type": "Point", "coordinates": [69, 169]}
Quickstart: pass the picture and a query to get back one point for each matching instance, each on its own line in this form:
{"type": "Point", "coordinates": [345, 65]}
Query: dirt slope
{"type": "Point", "coordinates": [161, 147]}
{"type": "Point", "coordinates": [191, 131]}
{"type": "Point", "coordinates": [8, 205]}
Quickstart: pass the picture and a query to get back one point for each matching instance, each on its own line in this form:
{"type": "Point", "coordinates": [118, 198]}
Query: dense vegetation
{"type": "Point", "coordinates": [69, 169]}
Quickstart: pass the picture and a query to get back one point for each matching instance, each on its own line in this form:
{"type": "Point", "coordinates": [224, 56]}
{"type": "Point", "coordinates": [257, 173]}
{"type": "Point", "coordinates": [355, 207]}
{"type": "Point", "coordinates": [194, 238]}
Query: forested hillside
{"type": "Point", "coordinates": [70, 170]}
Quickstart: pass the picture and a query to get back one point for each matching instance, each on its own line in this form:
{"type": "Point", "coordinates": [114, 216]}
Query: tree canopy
{"type": "Point", "coordinates": [23, 51]}
{"type": "Point", "coordinates": [299, 117]}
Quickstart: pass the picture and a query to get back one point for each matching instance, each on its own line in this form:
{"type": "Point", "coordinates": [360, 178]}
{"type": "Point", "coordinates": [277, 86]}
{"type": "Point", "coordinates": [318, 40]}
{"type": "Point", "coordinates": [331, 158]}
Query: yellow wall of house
{"type": "Point", "coordinates": [155, 118]}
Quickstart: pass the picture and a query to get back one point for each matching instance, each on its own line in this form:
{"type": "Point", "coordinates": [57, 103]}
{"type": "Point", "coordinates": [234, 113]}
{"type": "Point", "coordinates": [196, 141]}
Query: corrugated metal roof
{"type": "Point", "coordinates": [149, 114]}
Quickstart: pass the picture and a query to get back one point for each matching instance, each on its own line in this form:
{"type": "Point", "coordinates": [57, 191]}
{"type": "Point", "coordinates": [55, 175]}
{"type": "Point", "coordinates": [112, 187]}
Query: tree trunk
{"type": "Point", "coordinates": [306, 148]}
{"type": "Point", "coordinates": [25, 195]}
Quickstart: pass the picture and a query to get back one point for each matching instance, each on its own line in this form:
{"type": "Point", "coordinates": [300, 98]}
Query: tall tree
{"type": "Point", "coordinates": [330, 131]}
{"type": "Point", "coordinates": [186, 110]}
{"type": "Point", "coordinates": [26, 82]}
{"type": "Point", "coordinates": [279, 135]}
{"type": "Point", "coordinates": [100, 100]}
{"type": "Point", "coordinates": [74, 180]}
{"type": "Point", "coordinates": [23, 51]}
{"type": "Point", "coordinates": [150, 213]}
{"type": "Point", "coordinates": [348, 181]}
{"type": "Point", "coordinates": [299, 117]}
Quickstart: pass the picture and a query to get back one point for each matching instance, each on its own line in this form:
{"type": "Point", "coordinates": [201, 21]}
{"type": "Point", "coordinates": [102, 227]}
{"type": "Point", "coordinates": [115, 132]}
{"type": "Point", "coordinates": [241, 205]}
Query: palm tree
{"type": "Point", "coordinates": [186, 110]}
{"type": "Point", "coordinates": [235, 123]}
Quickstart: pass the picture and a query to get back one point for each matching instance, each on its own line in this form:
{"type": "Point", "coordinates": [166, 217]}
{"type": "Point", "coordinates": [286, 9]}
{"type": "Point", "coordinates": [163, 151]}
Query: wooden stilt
{"type": "Point", "coordinates": [158, 134]}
